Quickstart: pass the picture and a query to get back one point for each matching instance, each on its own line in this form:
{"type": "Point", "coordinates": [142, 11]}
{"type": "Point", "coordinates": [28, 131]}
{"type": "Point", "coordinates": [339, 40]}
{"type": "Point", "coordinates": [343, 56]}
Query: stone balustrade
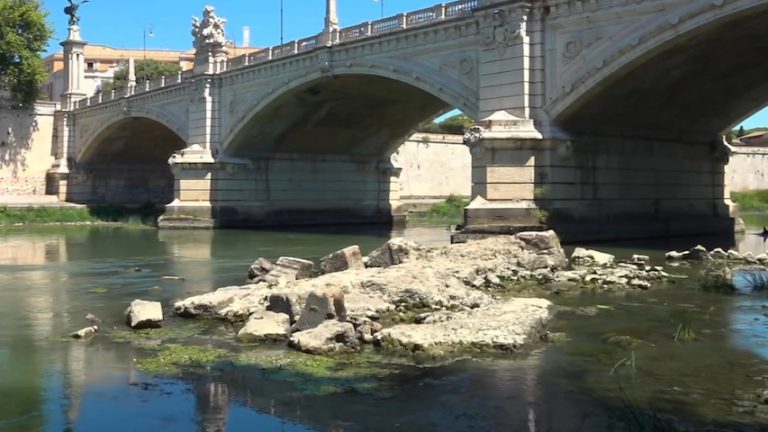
{"type": "Point", "coordinates": [368, 29]}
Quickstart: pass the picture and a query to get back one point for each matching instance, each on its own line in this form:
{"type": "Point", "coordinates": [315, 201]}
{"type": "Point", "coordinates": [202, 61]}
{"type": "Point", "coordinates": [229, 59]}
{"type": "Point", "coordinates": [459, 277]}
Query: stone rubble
{"type": "Point", "coordinates": [349, 258]}
{"type": "Point", "coordinates": [453, 287]}
{"type": "Point", "coordinates": [144, 314]}
{"type": "Point", "coordinates": [259, 270]}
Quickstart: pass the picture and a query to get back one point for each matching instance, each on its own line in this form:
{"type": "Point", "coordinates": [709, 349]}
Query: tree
{"type": "Point", "coordinates": [146, 70]}
{"type": "Point", "coordinates": [455, 125]}
{"type": "Point", "coordinates": [24, 34]}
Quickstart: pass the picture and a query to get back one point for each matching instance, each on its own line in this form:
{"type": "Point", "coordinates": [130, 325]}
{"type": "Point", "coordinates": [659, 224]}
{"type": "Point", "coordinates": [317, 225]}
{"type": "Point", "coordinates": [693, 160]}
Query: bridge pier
{"type": "Point", "coordinates": [283, 190]}
{"type": "Point", "coordinates": [597, 188]}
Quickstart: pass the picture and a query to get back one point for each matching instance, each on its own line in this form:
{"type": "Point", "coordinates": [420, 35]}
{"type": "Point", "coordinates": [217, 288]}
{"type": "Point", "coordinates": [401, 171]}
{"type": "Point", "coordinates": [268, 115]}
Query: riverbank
{"type": "Point", "coordinates": [56, 214]}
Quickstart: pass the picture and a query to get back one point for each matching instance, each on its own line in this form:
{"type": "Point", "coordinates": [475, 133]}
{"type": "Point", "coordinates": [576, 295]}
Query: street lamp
{"type": "Point", "coordinates": [382, 7]}
{"type": "Point", "coordinates": [281, 22]}
{"type": "Point", "coordinates": [149, 31]}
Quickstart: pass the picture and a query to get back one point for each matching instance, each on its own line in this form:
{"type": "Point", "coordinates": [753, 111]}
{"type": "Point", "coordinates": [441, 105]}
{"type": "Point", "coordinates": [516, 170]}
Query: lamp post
{"type": "Point", "coordinates": [149, 31]}
{"type": "Point", "coordinates": [281, 22]}
{"type": "Point", "coordinates": [382, 7]}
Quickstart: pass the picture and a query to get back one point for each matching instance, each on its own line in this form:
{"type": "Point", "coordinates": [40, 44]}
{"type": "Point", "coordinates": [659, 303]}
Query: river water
{"type": "Point", "coordinates": [621, 369]}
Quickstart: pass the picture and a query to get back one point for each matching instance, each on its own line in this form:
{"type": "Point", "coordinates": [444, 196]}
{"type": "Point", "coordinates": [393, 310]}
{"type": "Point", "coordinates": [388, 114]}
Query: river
{"type": "Point", "coordinates": [621, 369]}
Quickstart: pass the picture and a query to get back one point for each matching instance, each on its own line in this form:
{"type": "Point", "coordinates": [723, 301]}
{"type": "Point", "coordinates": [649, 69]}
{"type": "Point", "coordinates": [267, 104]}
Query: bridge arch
{"type": "Point", "coordinates": [688, 73]}
{"type": "Point", "coordinates": [370, 94]}
{"type": "Point", "coordinates": [125, 161]}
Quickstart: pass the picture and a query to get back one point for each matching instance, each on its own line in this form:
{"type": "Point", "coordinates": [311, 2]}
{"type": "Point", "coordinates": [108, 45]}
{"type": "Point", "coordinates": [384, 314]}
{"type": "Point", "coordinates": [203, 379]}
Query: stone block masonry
{"type": "Point", "coordinates": [25, 148]}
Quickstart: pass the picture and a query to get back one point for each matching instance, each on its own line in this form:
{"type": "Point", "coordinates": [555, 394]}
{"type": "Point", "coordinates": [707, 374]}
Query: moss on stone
{"type": "Point", "coordinates": [172, 359]}
{"type": "Point", "coordinates": [316, 375]}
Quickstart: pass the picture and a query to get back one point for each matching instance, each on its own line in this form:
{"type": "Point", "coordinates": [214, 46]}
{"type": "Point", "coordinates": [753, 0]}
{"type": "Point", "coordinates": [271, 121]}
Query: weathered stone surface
{"type": "Point", "coordinates": [322, 305]}
{"type": "Point", "coordinates": [640, 259]}
{"type": "Point", "coordinates": [395, 251]}
{"type": "Point", "coordinates": [288, 303]}
{"type": "Point", "coordinates": [762, 258]}
{"type": "Point", "coordinates": [289, 269]}
{"type": "Point", "coordinates": [583, 256]}
{"type": "Point", "coordinates": [265, 327]}
{"type": "Point", "coordinates": [734, 255]}
{"type": "Point", "coordinates": [718, 254]}
{"type": "Point", "coordinates": [676, 256]}
{"type": "Point", "coordinates": [236, 302]}
{"type": "Point", "coordinates": [345, 259]}
{"type": "Point", "coordinates": [749, 258]}
{"type": "Point", "coordinates": [144, 314]}
{"type": "Point", "coordinates": [698, 253]}
{"type": "Point", "coordinates": [506, 326]}
{"type": "Point", "coordinates": [85, 333]}
{"type": "Point", "coordinates": [327, 338]}
{"type": "Point", "coordinates": [365, 328]}
{"type": "Point", "coordinates": [259, 270]}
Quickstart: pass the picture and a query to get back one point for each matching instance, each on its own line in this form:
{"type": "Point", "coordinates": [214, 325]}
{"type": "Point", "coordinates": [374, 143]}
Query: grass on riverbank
{"type": "Point", "coordinates": [751, 201]}
{"type": "Point", "coordinates": [79, 215]}
{"type": "Point", "coordinates": [448, 212]}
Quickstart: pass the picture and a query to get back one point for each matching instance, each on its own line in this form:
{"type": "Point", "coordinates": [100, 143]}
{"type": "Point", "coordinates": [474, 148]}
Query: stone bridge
{"type": "Point", "coordinates": [600, 118]}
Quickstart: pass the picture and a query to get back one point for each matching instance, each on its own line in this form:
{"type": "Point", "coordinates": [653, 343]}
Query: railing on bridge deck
{"type": "Point", "coordinates": [371, 28]}
{"type": "Point", "coordinates": [368, 29]}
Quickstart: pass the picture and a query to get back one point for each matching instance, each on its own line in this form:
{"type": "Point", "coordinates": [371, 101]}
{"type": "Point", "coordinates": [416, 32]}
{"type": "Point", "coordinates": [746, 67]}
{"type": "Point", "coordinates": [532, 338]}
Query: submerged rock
{"type": "Point", "coordinates": [698, 253]}
{"type": "Point", "coordinates": [143, 314]}
{"type": "Point", "coordinates": [506, 326]}
{"type": "Point", "coordinates": [265, 327]}
{"type": "Point", "coordinates": [85, 333]}
{"type": "Point", "coordinates": [718, 254]}
{"type": "Point", "coordinates": [345, 259]}
{"type": "Point", "coordinates": [328, 338]}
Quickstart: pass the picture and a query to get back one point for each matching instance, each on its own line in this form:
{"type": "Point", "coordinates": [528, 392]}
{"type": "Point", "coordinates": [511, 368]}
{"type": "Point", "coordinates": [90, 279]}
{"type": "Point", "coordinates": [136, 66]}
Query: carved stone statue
{"type": "Point", "coordinates": [209, 33]}
{"type": "Point", "coordinates": [71, 10]}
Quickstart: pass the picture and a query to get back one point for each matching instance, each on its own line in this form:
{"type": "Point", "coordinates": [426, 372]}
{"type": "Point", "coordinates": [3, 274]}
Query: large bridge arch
{"type": "Point", "coordinates": [686, 73]}
{"type": "Point", "coordinates": [125, 161]}
{"type": "Point", "coordinates": [389, 98]}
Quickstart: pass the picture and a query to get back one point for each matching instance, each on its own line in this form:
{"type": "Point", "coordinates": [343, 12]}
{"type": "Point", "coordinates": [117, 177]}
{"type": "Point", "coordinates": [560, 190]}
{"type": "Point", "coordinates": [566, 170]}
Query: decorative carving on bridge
{"type": "Point", "coordinates": [473, 139]}
{"type": "Point", "coordinates": [505, 30]}
{"type": "Point", "coordinates": [209, 33]}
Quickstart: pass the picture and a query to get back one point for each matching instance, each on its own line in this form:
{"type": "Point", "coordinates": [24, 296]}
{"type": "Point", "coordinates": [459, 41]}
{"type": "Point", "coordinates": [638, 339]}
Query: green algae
{"type": "Point", "coordinates": [173, 359]}
{"type": "Point", "coordinates": [99, 290]}
{"type": "Point", "coordinates": [143, 337]}
{"type": "Point", "coordinates": [319, 376]}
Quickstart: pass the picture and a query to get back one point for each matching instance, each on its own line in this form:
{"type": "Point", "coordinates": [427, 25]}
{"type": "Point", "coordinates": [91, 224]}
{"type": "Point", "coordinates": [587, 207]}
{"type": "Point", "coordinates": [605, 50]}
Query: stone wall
{"type": "Point", "coordinates": [747, 169]}
{"type": "Point", "coordinates": [26, 138]}
{"type": "Point", "coordinates": [433, 167]}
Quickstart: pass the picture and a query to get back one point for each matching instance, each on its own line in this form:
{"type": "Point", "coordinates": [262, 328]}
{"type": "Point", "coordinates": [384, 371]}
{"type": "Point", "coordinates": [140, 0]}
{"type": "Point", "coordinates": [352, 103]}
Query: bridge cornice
{"type": "Point", "coordinates": [610, 55]}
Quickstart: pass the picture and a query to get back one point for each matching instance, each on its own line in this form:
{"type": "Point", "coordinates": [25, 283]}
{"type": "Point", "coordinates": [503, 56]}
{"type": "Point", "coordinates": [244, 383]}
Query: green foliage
{"type": "Point", "coordinates": [455, 125]}
{"type": "Point", "coordinates": [450, 211]}
{"type": "Point", "coordinates": [172, 359]}
{"type": "Point", "coordinates": [54, 215]}
{"type": "Point", "coordinates": [24, 34]}
{"type": "Point", "coordinates": [751, 200]}
{"type": "Point", "coordinates": [146, 70]}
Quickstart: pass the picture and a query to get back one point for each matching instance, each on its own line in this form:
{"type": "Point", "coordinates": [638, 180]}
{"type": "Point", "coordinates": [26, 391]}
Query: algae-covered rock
{"type": "Point", "coordinates": [171, 359]}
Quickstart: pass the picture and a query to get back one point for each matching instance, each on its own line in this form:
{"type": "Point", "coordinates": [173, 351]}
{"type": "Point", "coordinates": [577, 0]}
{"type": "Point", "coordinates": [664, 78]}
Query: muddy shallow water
{"type": "Point", "coordinates": [620, 369]}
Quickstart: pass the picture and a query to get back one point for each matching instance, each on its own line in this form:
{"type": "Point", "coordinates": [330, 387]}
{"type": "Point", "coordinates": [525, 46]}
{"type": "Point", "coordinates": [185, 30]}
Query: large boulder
{"type": "Point", "coordinates": [288, 303]}
{"type": "Point", "coordinates": [395, 251]}
{"type": "Point", "coordinates": [259, 270]}
{"type": "Point", "coordinates": [328, 338]}
{"type": "Point", "coordinates": [345, 259]}
{"type": "Point", "coordinates": [144, 314]}
{"type": "Point", "coordinates": [236, 302]}
{"type": "Point", "coordinates": [289, 269]}
{"type": "Point", "coordinates": [321, 305]}
{"type": "Point", "coordinates": [265, 327]}
{"type": "Point", "coordinates": [503, 326]}
{"type": "Point", "coordinates": [589, 257]}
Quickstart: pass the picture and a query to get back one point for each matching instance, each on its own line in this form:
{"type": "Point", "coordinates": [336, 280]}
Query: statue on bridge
{"type": "Point", "coordinates": [209, 33]}
{"type": "Point", "coordinates": [71, 10]}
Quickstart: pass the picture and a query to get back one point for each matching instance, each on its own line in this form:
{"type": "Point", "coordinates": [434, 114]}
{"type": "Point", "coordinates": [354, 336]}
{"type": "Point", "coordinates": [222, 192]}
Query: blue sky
{"type": "Point", "coordinates": [122, 23]}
